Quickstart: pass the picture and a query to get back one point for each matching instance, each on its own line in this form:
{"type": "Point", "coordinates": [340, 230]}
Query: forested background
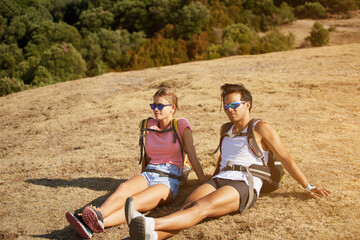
{"type": "Point", "coordinates": [49, 41]}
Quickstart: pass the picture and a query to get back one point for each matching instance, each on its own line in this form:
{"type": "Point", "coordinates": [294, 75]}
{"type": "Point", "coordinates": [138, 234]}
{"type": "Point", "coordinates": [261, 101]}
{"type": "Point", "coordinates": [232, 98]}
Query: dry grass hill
{"type": "Point", "coordinates": [65, 146]}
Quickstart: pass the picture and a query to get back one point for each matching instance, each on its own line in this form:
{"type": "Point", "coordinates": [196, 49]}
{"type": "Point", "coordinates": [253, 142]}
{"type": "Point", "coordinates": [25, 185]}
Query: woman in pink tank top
{"type": "Point", "coordinates": [160, 178]}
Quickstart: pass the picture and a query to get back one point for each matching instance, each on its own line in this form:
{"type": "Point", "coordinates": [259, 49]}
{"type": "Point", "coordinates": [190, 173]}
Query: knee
{"type": "Point", "coordinates": [200, 207]}
{"type": "Point", "coordinates": [122, 192]}
{"type": "Point", "coordinates": [189, 200]}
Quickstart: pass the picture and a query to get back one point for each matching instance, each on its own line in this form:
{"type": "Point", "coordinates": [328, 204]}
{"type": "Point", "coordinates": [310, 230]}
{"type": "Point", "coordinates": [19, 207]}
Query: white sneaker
{"type": "Point", "coordinates": [139, 230]}
{"type": "Point", "coordinates": [130, 212]}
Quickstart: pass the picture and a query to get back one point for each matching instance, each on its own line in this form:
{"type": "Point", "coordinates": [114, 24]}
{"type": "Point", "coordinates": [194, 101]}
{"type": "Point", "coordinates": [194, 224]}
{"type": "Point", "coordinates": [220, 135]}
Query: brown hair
{"type": "Point", "coordinates": [168, 95]}
{"type": "Point", "coordinates": [227, 89]}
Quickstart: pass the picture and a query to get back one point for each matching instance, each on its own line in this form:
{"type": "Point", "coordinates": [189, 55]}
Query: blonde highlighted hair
{"type": "Point", "coordinates": [168, 95]}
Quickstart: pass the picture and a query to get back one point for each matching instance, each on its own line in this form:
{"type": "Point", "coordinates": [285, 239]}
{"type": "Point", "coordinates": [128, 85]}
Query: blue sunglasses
{"type": "Point", "coordinates": [158, 106]}
{"type": "Point", "coordinates": [233, 105]}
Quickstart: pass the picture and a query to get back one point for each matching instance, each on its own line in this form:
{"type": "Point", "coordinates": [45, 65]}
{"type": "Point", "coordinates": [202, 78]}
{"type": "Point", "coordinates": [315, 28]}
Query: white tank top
{"type": "Point", "coordinates": [237, 150]}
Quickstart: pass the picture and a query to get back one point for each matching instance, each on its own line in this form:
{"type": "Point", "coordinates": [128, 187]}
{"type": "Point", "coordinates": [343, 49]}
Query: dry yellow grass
{"type": "Point", "coordinates": [68, 145]}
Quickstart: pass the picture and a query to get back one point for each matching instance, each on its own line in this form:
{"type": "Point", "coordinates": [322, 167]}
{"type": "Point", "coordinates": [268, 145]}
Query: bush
{"type": "Point", "coordinates": [49, 33]}
{"type": "Point", "coordinates": [160, 51]}
{"type": "Point", "coordinates": [338, 6]}
{"type": "Point", "coordinates": [286, 13]}
{"type": "Point", "coordinates": [319, 36]}
{"type": "Point", "coordinates": [10, 85]}
{"type": "Point", "coordinates": [239, 39]}
{"type": "Point", "coordinates": [198, 45]}
{"type": "Point", "coordinates": [277, 41]}
{"type": "Point", "coordinates": [94, 19]}
{"type": "Point", "coordinates": [10, 57]}
{"type": "Point", "coordinates": [214, 51]}
{"type": "Point", "coordinates": [62, 62]}
{"type": "Point", "coordinates": [192, 19]}
{"type": "Point", "coordinates": [310, 10]}
{"type": "Point", "coordinates": [42, 77]}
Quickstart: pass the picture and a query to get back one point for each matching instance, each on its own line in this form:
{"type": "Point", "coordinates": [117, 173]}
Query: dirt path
{"type": "Point", "coordinates": [346, 30]}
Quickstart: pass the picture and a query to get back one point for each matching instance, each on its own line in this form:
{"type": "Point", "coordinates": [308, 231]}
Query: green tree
{"type": "Point", "coordinates": [67, 10]}
{"type": "Point", "coordinates": [49, 33]}
{"type": "Point", "coordinates": [92, 52]}
{"type": "Point", "coordinates": [252, 20]}
{"type": "Point", "coordinates": [110, 49]}
{"type": "Point", "coordinates": [9, 9]}
{"type": "Point", "coordinates": [219, 16]}
{"type": "Point", "coordinates": [276, 41]}
{"type": "Point", "coordinates": [192, 19]}
{"type": "Point", "coordinates": [21, 27]}
{"type": "Point", "coordinates": [310, 10]}
{"type": "Point", "coordinates": [131, 15]}
{"type": "Point", "coordinates": [159, 51]}
{"type": "Point", "coordinates": [94, 19]}
{"type": "Point", "coordinates": [61, 62]}
{"type": "Point", "coordinates": [10, 85]}
{"type": "Point", "coordinates": [162, 13]}
{"type": "Point", "coordinates": [42, 77]}
{"type": "Point", "coordinates": [343, 5]}
{"type": "Point", "coordinates": [10, 57]}
{"type": "Point", "coordinates": [197, 46]}
{"type": "Point", "coordinates": [286, 13]}
{"type": "Point", "coordinates": [239, 39]}
{"type": "Point", "coordinates": [264, 14]}
{"type": "Point", "coordinates": [3, 26]}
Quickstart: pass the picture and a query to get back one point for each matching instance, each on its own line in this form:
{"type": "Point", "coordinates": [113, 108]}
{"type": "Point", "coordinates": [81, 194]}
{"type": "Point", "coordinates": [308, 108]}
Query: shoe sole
{"type": "Point", "coordinates": [91, 219]}
{"type": "Point", "coordinates": [79, 227]}
{"type": "Point", "coordinates": [127, 203]}
{"type": "Point", "coordinates": [137, 228]}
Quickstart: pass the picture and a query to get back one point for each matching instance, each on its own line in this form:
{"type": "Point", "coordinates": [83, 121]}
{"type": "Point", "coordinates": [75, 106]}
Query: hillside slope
{"type": "Point", "coordinates": [68, 145]}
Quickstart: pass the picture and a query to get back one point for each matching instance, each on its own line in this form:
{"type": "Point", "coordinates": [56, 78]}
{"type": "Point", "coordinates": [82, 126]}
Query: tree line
{"type": "Point", "coordinates": [49, 41]}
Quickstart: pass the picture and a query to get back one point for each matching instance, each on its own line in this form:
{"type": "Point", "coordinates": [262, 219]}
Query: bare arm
{"type": "Point", "coordinates": [271, 139]}
{"type": "Point", "coordinates": [190, 149]}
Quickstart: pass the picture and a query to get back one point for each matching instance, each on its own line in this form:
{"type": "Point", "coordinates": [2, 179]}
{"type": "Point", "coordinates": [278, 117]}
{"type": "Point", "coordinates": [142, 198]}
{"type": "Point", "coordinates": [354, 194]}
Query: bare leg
{"type": "Point", "coordinates": [117, 200]}
{"type": "Point", "coordinates": [198, 193]}
{"type": "Point", "coordinates": [215, 204]}
{"type": "Point", "coordinates": [144, 201]}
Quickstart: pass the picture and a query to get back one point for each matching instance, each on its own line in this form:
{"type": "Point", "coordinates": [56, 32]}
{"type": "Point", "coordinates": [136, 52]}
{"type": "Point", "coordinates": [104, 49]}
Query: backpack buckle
{"type": "Point", "coordinates": [235, 167]}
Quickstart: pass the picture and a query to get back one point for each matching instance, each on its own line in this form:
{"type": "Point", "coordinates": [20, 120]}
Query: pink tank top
{"type": "Point", "coordinates": [161, 147]}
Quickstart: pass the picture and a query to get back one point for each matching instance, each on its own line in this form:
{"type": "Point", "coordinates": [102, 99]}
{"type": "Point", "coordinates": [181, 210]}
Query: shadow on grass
{"type": "Point", "coordinates": [298, 195]}
{"type": "Point", "coordinates": [106, 184]}
{"type": "Point", "coordinates": [96, 184]}
{"type": "Point", "coordinates": [68, 233]}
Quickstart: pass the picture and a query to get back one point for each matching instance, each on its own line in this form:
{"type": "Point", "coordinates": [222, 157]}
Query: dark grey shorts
{"type": "Point", "coordinates": [240, 186]}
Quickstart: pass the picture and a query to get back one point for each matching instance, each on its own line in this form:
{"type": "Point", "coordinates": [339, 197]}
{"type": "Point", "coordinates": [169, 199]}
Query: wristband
{"type": "Point", "coordinates": [309, 187]}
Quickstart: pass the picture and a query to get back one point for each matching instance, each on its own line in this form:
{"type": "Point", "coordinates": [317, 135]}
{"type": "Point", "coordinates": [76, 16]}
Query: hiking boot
{"type": "Point", "coordinates": [130, 212]}
{"type": "Point", "coordinates": [139, 231]}
{"type": "Point", "coordinates": [93, 218]}
{"type": "Point", "coordinates": [76, 221]}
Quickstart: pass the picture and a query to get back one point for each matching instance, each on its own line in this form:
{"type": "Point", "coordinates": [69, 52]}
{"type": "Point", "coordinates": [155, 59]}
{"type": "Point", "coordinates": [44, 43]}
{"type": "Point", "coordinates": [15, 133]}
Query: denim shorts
{"type": "Point", "coordinates": [155, 178]}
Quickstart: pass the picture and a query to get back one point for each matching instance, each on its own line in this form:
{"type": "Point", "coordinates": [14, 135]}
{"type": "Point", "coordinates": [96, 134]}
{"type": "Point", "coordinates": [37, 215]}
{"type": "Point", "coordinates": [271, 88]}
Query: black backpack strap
{"type": "Point", "coordinates": [252, 140]}
{"type": "Point", "coordinates": [175, 128]}
{"type": "Point", "coordinates": [225, 128]}
{"type": "Point", "coordinates": [142, 129]}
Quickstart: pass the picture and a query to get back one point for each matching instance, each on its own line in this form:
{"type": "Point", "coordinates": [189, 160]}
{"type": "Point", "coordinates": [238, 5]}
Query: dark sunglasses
{"type": "Point", "coordinates": [233, 105]}
{"type": "Point", "coordinates": [158, 106]}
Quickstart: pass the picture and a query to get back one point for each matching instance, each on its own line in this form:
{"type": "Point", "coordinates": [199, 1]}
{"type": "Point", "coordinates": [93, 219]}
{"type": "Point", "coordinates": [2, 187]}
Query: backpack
{"type": "Point", "coordinates": [174, 129]}
{"type": "Point", "coordinates": [271, 173]}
